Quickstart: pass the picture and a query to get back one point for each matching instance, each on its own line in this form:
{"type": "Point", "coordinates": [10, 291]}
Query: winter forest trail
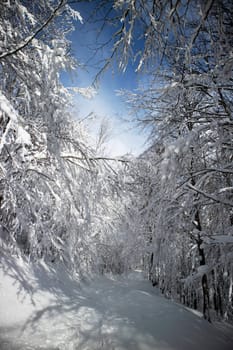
{"type": "Point", "coordinates": [42, 308]}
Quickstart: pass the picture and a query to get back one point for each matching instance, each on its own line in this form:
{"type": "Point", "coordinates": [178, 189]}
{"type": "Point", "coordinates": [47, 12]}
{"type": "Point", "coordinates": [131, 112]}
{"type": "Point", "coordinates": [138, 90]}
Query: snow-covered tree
{"type": "Point", "coordinates": [186, 105]}
{"type": "Point", "coordinates": [57, 194]}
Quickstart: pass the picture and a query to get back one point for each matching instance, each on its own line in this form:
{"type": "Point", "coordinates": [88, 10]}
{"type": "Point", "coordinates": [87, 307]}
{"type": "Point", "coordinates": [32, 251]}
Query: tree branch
{"type": "Point", "coordinates": [95, 158]}
{"type": "Point", "coordinates": [210, 196]}
{"type": "Point", "coordinates": [30, 38]}
{"type": "Point", "coordinates": [40, 173]}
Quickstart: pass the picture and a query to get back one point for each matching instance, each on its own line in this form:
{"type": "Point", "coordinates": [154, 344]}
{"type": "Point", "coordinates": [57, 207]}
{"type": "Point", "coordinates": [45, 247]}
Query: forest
{"type": "Point", "coordinates": [168, 211]}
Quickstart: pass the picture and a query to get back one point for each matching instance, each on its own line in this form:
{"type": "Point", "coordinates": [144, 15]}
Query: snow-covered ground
{"type": "Point", "coordinates": [44, 308]}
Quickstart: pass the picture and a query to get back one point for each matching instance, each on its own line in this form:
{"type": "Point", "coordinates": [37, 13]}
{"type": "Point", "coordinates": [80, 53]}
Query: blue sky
{"type": "Point", "coordinates": [124, 138]}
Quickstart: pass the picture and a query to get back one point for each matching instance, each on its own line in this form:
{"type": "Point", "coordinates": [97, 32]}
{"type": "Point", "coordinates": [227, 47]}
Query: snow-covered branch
{"type": "Point", "coordinates": [25, 42]}
{"type": "Point", "coordinates": [210, 196]}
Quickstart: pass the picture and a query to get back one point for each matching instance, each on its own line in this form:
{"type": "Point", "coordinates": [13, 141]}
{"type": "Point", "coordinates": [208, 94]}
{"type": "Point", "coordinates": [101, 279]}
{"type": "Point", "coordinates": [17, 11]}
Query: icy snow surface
{"type": "Point", "coordinates": [44, 308]}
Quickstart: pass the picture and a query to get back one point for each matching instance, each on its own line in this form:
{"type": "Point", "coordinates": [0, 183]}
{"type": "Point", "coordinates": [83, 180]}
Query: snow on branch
{"type": "Point", "coordinates": [26, 41]}
{"type": "Point", "coordinates": [218, 239]}
{"type": "Point", "coordinates": [88, 92]}
{"type": "Point", "coordinates": [210, 196]}
{"type": "Point", "coordinates": [69, 156]}
{"type": "Point", "coordinates": [7, 108]}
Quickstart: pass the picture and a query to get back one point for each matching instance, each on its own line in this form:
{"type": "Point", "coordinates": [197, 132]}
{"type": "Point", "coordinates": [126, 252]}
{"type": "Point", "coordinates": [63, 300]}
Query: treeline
{"type": "Point", "coordinates": [59, 196]}
{"type": "Point", "coordinates": [185, 179]}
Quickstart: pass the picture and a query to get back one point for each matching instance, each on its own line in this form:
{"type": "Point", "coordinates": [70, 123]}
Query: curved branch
{"type": "Point", "coordinates": [30, 38]}
{"type": "Point", "coordinates": [210, 196]}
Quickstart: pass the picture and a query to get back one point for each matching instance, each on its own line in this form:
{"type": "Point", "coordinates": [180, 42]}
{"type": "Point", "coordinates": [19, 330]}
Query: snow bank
{"type": "Point", "coordinates": [42, 307]}
{"type": "Point", "coordinates": [30, 293]}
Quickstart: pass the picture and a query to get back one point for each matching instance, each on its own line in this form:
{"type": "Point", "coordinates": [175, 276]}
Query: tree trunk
{"type": "Point", "coordinates": [204, 281]}
{"type": "Point", "coordinates": [206, 299]}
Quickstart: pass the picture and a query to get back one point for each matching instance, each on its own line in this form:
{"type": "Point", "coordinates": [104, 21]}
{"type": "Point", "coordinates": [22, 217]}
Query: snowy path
{"type": "Point", "coordinates": [44, 309]}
